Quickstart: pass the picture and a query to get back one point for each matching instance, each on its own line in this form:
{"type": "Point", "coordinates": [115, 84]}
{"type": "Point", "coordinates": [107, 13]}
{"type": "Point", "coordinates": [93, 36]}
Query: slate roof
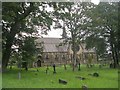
{"type": "Point", "coordinates": [52, 45]}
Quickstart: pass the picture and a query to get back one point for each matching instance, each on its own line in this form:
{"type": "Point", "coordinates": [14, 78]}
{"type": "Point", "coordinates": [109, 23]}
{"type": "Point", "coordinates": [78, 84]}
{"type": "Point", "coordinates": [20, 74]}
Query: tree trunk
{"type": "Point", "coordinates": [74, 57]}
{"type": "Point", "coordinates": [13, 31]}
{"type": "Point", "coordinates": [113, 49]}
{"type": "Point", "coordinates": [9, 42]}
{"type": "Point", "coordinates": [6, 56]}
{"type": "Point", "coordinates": [116, 56]}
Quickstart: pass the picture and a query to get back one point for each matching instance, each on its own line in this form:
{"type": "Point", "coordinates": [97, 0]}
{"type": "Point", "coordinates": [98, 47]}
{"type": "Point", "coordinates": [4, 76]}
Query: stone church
{"type": "Point", "coordinates": [55, 52]}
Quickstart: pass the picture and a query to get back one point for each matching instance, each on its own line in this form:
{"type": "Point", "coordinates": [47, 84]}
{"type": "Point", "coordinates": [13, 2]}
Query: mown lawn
{"type": "Point", "coordinates": [108, 78]}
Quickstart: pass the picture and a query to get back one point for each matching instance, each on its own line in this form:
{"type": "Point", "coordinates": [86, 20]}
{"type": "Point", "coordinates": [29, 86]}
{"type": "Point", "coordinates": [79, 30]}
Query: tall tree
{"type": "Point", "coordinates": [74, 21]}
{"type": "Point", "coordinates": [19, 17]}
{"type": "Point", "coordinates": [105, 25]}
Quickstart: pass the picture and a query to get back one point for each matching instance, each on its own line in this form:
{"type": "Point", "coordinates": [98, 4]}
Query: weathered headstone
{"type": "Point", "coordinates": [79, 67]}
{"type": "Point", "coordinates": [19, 75]}
{"type": "Point", "coordinates": [47, 69]}
{"type": "Point", "coordinates": [84, 87]}
{"type": "Point", "coordinates": [54, 70]}
{"type": "Point", "coordinates": [62, 81]}
{"type": "Point", "coordinates": [95, 74]}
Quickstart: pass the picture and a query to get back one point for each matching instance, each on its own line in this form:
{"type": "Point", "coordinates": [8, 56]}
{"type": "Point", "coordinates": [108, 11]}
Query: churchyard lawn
{"type": "Point", "coordinates": [108, 78]}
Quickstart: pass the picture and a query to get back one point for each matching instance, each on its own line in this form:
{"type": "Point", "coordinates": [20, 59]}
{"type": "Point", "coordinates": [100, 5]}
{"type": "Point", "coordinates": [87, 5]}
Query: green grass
{"type": "Point", "coordinates": [108, 78]}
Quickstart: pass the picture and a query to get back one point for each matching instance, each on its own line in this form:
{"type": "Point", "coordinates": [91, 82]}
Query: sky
{"type": "Point", "coordinates": [58, 32]}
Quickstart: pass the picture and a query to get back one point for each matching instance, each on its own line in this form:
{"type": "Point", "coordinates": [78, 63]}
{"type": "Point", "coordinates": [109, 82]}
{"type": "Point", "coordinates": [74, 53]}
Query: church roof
{"type": "Point", "coordinates": [52, 45]}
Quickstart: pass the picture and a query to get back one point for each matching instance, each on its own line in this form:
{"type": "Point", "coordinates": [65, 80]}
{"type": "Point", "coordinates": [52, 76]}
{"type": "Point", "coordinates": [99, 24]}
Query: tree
{"type": "Point", "coordinates": [105, 25]}
{"type": "Point", "coordinates": [21, 17]}
{"type": "Point", "coordinates": [74, 21]}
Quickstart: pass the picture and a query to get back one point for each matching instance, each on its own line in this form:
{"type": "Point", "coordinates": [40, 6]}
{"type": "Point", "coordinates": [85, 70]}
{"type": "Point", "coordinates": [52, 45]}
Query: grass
{"type": "Point", "coordinates": [108, 78]}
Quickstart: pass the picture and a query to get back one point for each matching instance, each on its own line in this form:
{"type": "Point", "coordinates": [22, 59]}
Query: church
{"type": "Point", "coordinates": [54, 52]}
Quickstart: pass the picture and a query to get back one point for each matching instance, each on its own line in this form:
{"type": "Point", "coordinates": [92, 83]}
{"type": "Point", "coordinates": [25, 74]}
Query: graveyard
{"type": "Point", "coordinates": [60, 44]}
{"type": "Point", "coordinates": [108, 78]}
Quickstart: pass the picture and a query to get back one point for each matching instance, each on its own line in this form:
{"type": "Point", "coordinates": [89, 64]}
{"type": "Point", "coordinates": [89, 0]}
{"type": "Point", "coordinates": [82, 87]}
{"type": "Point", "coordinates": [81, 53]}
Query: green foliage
{"type": "Point", "coordinates": [75, 22]}
{"type": "Point", "coordinates": [21, 18]}
{"type": "Point", "coordinates": [104, 21]}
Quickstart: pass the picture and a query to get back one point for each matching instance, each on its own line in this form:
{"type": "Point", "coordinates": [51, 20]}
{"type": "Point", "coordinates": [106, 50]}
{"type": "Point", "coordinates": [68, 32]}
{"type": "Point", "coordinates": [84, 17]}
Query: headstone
{"type": "Point", "coordinates": [62, 81]}
{"type": "Point", "coordinates": [54, 70]}
{"type": "Point", "coordinates": [79, 67]}
{"type": "Point", "coordinates": [46, 71]}
{"type": "Point", "coordinates": [19, 75]}
{"type": "Point", "coordinates": [95, 74]}
{"type": "Point", "coordinates": [84, 87]}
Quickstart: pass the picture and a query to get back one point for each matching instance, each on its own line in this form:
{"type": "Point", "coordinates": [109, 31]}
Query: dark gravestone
{"type": "Point", "coordinates": [47, 69]}
{"type": "Point", "coordinates": [79, 67]}
{"type": "Point", "coordinates": [54, 70]}
{"type": "Point", "coordinates": [84, 87]}
{"type": "Point", "coordinates": [62, 81]}
{"type": "Point", "coordinates": [95, 74]}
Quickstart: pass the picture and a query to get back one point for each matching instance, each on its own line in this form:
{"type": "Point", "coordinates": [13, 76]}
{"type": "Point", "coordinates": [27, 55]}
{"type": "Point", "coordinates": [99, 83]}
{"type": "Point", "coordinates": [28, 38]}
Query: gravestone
{"type": "Point", "coordinates": [84, 87]}
{"type": "Point", "coordinates": [47, 69]}
{"type": "Point", "coordinates": [95, 74]}
{"type": "Point", "coordinates": [62, 81]}
{"type": "Point", "coordinates": [54, 70]}
{"type": "Point", "coordinates": [19, 75]}
{"type": "Point", "coordinates": [79, 67]}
